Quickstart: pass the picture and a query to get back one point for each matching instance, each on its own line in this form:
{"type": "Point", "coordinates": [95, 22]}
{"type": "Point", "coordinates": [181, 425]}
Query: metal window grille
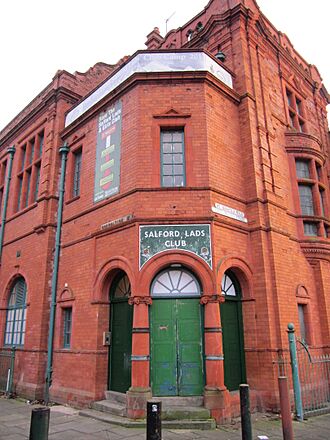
{"type": "Point", "coordinates": [172, 158]}
{"type": "Point", "coordinates": [7, 363]}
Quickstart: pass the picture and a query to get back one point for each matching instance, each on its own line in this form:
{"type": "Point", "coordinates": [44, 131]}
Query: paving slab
{"type": "Point", "coordinates": [67, 424]}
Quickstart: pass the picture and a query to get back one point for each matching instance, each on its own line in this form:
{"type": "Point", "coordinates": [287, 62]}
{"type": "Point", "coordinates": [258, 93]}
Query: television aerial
{"type": "Point", "coordinates": [167, 20]}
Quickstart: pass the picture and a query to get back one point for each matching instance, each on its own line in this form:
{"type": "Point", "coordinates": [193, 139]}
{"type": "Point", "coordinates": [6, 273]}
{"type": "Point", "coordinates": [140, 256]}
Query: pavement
{"type": "Point", "coordinates": [67, 424]}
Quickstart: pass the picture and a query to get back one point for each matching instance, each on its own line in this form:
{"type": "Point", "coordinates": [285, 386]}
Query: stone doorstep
{"type": "Point", "coordinates": [192, 401]}
{"type": "Point", "coordinates": [180, 412]}
{"type": "Point", "coordinates": [115, 396]}
{"type": "Point", "coordinates": [110, 406]}
{"type": "Point", "coordinates": [169, 402]}
{"type": "Point", "coordinates": [185, 413]}
{"type": "Point", "coordinates": [205, 424]}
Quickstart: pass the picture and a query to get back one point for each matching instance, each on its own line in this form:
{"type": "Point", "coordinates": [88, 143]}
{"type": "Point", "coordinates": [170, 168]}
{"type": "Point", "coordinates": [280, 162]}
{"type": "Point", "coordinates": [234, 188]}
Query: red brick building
{"type": "Point", "coordinates": [195, 222]}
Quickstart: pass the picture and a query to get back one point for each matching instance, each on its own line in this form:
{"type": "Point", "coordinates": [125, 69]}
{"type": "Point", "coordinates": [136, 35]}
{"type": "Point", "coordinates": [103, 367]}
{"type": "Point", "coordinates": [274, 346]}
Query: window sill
{"type": "Point", "coordinates": [24, 210]}
{"type": "Point", "coordinates": [73, 199]}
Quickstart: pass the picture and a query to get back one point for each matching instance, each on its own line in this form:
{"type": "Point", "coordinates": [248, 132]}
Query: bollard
{"type": "Point", "coordinates": [154, 423]}
{"type": "Point", "coordinates": [287, 428]}
{"type": "Point", "coordinates": [39, 424]}
{"type": "Point", "coordinates": [245, 412]}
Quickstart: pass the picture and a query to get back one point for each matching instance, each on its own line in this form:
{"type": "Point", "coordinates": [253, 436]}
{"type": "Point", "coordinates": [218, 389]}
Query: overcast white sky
{"type": "Point", "coordinates": [39, 37]}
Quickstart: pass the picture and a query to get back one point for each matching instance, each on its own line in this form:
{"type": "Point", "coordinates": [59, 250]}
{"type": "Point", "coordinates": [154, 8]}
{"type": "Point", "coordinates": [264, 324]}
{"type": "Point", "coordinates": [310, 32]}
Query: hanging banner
{"type": "Point", "coordinates": [107, 164]}
{"type": "Point", "coordinates": [152, 62]}
{"type": "Point", "coordinates": [160, 238]}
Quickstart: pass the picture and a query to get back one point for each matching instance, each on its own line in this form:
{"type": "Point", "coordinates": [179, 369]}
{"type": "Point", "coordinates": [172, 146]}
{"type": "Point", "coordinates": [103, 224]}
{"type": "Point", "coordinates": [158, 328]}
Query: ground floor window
{"type": "Point", "coordinates": [16, 314]}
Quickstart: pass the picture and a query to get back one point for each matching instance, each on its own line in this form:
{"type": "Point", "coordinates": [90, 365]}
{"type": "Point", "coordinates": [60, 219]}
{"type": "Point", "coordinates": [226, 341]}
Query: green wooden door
{"type": "Point", "coordinates": [121, 346]}
{"type": "Point", "coordinates": [231, 320]}
{"type": "Point", "coordinates": [189, 347]}
{"type": "Point", "coordinates": [176, 347]}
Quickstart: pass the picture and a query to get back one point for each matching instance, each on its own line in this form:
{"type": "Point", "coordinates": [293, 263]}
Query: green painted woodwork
{"type": "Point", "coordinates": [176, 348]}
{"type": "Point", "coordinates": [121, 346]}
{"type": "Point", "coordinates": [163, 348]}
{"type": "Point", "coordinates": [233, 344]}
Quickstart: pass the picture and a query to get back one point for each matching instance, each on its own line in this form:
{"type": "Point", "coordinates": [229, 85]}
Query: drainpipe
{"type": "Point", "coordinates": [11, 151]}
{"type": "Point", "coordinates": [49, 370]}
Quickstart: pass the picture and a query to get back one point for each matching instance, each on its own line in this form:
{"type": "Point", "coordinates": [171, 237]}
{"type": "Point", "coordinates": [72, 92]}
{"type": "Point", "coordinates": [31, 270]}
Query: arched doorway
{"type": "Point", "coordinates": [176, 334]}
{"type": "Point", "coordinates": [121, 318]}
{"type": "Point", "coordinates": [232, 332]}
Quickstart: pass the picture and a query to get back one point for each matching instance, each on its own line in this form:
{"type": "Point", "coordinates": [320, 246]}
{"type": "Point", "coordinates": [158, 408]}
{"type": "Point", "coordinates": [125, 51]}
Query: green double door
{"type": "Point", "coordinates": [176, 347]}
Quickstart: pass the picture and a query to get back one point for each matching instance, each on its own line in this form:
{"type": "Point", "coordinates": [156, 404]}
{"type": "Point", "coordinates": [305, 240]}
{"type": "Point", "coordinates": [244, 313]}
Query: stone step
{"type": "Point", "coordinates": [115, 396]}
{"type": "Point", "coordinates": [111, 407]}
{"type": "Point", "coordinates": [166, 424]}
{"type": "Point", "coordinates": [168, 402]}
{"type": "Point", "coordinates": [185, 413]}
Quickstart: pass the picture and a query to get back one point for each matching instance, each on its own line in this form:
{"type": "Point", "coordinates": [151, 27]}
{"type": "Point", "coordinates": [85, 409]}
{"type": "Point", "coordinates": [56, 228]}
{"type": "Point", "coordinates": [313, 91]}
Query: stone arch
{"type": "Point", "coordinates": [106, 275]}
{"type": "Point", "coordinates": [194, 264]}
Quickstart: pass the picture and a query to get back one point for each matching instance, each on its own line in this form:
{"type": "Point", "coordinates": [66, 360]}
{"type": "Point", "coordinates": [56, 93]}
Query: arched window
{"type": "Point", "coordinates": [175, 283]}
{"type": "Point", "coordinates": [121, 287]}
{"type": "Point", "coordinates": [16, 314]}
{"type": "Point", "coordinates": [229, 285]}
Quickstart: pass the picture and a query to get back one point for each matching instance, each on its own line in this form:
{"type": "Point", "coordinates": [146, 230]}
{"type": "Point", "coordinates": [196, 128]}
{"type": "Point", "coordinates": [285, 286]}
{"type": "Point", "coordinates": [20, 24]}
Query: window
{"type": "Point", "coordinates": [190, 34]}
{"type": "Point", "coordinates": [31, 150]}
{"type": "Point", "coordinates": [306, 199]}
{"type": "Point", "coordinates": [302, 309]}
{"type": "Point", "coordinates": [175, 283]}
{"type": "Point", "coordinates": [312, 196]}
{"type": "Point", "coordinates": [302, 169]}
{"type": "Point", "coordinates": [27, 192]}
{"type": "Point", "coordinates": [16, 314]}
{"type": "Point", "coordinates": [76, 173]}
{"type": "Point", "coordinates": [172, 158]}
{"type": "Point", "coordinates": [23, 154]}
{"type": "Point", "coordinates": [228, 286]}
{"type": "Point", "coordinates": [295, 111]}
{"type": "Point", "coordinates": [310, 229]}
{"type": "Point", "coordinates": [36, 186]}
{"type": "Point", "coordinates": [67, 324]}
{"type": "Point", "coordinates": [322, 201]}
{"type": "Point", "coordinates": [28, 178]}
{"type": "Point", "coordinates": [41, 142]}
{"type": "Point", "coordinates": [20, 188]}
